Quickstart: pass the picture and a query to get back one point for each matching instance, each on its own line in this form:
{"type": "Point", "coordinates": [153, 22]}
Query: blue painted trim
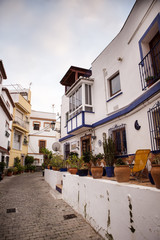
{"type": "Point", "coordinates": [83, 118]}
{"type": "Point", "coordinates": [66, 137]}
{"type": "Point", "coordinates": [148, 94]}
{"type": "Point", "coordinates": [114, 96]}
{"type": "Point", "coordinates": [131, 106]}
{"type": "Point", "coordinates": [85, 125]}
{"type": "Point", "coordinates": [157, 19]}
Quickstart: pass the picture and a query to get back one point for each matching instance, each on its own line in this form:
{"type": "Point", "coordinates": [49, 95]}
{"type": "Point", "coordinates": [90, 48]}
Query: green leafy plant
{"type": "Point", "coordinates": [29, 160]}
{"type": "Point", "coordinates": [15, 170]}
{"type": "Point", "coordinates": [16, 162]}
{"type": "Point", "coordinates": [72, 161]}
{"type": "Point", "coordinates": [10, 170]}
{"type": "Point", "coordinates": [120, 162]}
{"type": "Point", "coordinates": [109, 151]}
{"type": "Point", "coordinates": [2, 166]}
{"type": "Point", "coordinates": [87, 157]}
{"type": "Point", "coordinates": [47, 156]}
{"type": "Point", "coordinates": [156, 160]}
{"type": "Point", "coordinates": [57, 161]}
{"type": "Point", "coordinates": [93, 159]}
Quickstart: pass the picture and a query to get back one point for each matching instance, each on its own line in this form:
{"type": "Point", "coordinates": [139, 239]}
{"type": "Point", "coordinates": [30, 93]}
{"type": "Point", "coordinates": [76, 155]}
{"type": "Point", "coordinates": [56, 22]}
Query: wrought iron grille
{"type": "Point", "coordinates": [149, 67]}
{"type": "Point", "coordinates": [154, 126]}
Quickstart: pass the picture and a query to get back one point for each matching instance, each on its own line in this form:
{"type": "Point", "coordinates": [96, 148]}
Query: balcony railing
{"type": "Point", "coordinates": [80, 122]}
{"type": "Point", "coordinates": [149, 67]}
{"type": "Point", "coordinates": [21, 123]}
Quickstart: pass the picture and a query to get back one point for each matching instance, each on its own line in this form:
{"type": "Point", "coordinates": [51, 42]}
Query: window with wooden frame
{"type": "Point", "coordinates": [114, 84]}
{"type": "Point", "coordinates": [36, 126]}
{"type": "Point", "coordinates": [42, 144]}
{"type": "Point", "coordinates": [119, 137]}
{"type": "Point", "coordinates": [47, 126]}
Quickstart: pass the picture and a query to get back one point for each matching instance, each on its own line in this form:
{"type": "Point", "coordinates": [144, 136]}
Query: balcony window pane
{"type": "Point", "coordinates": [73, 101]}
{"type": "Point", "coordinates": [88, 96]}
{"type": "Point", "coordinates": [70, 104]}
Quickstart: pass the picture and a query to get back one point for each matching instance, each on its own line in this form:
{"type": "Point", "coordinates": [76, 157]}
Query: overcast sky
{"type": "Point", "coordinates": [41, 39]}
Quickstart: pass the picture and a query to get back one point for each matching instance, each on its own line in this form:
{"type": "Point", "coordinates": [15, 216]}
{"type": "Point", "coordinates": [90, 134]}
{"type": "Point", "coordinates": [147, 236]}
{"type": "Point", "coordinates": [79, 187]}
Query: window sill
{"type": "Point", "coordinates": [116, 95]}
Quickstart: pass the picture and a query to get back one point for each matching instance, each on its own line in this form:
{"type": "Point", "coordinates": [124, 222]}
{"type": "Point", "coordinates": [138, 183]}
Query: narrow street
{"type": "Point", "coordinates": [28, 211]}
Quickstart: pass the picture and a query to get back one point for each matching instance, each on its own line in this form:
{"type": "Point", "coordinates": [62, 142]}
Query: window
{"type": "Point", "coordinates": [88, 98]}
{"type": "Point", "coordinates": [42, 144]}
{"type": "Point", "coordinates": [149, 46]}
{"type": "Point", "coordinates": [75, 100]}
{"type": "Point", "coordinates": [67, 117]}
{"type": "Point", "coordinates": [17, 140]}
{"type": "Point", "coordinates": [36, 126]}
{"type": "Point", "coordinates": [114, 84]}
{"type": "Point", "coordinates": [154, 126]}
{"type": "Point", "coordinates": [119, 137]}
{"type": "Point", "coordinates": [66, 150]}
{"type": "Point", "coordinates": [47, 126]}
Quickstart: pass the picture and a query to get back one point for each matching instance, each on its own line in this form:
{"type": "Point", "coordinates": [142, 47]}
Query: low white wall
{"type": "Point", "coordinates": [53, 177]}
{"type": "Point", "coordinates": [117, 211]}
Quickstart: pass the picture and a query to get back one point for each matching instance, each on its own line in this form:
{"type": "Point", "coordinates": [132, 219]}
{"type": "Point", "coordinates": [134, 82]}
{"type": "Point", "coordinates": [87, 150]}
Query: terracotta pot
{"type": "Point", "coordinates": [73, 170]}
{"type": "Point", "coordinates": [122, 173]}
{"type": "Point", "coordinates": [97, 172]}
{"type": "Point", "coordinates": [9, 173]}
{"type": "Point", "coordinates": [54, 168]}
{"type": "Point", "coordinates": [155, 172]}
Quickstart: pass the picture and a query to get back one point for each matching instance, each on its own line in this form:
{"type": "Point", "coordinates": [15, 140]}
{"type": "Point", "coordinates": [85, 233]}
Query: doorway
{"type": "Point", "coordinates": [85, 144]}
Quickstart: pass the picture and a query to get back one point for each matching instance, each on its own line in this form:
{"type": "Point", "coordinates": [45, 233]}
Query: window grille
{"type": "Point", "coordinates": [154, 126]}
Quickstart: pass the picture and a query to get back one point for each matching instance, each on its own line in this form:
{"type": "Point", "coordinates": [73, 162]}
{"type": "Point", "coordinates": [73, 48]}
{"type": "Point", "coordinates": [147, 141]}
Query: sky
{"type": "Point", "coordinates": [41, 39]}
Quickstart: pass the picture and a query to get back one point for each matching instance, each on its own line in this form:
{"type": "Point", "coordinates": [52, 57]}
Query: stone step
{"type": "Point", "coordinates": [59, 188]}
{"type": "Point", "coordinates": [55, 194]}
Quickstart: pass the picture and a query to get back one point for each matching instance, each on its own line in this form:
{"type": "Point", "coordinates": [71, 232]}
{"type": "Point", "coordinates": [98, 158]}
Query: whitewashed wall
{"type": "Point", "coordinates": [115, 210]}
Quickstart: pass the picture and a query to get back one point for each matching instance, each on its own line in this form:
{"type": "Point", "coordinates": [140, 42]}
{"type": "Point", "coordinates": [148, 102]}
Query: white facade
{"type": "Point", "coordinates": [123, 105]}
{"type": "Point", "coordinates": [6, 111]}
{"type": "Point", "coordinates": [115, 210]}
{"type": "Point", "coordinates": [41, 134]}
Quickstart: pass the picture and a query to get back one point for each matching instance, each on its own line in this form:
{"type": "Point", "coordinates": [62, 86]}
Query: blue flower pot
{"type": "Point", "coordinates": [110, 171]}
{"type": "Point", "coordinates": [82, 172]}
{"type": "Point", "coordinates": [63, 170]}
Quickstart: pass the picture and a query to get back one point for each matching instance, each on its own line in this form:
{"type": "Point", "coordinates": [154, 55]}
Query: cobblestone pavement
{"type": "Point", "coordinates": [38, 215]}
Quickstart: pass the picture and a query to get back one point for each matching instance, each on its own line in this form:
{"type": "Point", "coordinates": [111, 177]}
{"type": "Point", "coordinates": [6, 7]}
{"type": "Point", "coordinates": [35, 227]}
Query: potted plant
{"type": "Point", "coordinates": [109, 155]}
{"type": "Point", "coordinates": [15, 170]}
{"type": "Point", "coordinates": [9, 171]}
{"type": "Point", "coordinates": [155, 171]}
{"type": "Point", "coordinates": [56, 162]}
{"type": "Point", "coordinates": [82, 167]}
{"type": "Point", "coordinates": [97, 171]}
{"type": "Point", "coordinates": [72, 163]}
{"type": "Point", "coordinates": [122, 171]}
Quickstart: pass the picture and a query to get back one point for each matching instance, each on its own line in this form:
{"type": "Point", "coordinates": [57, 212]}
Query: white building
{"type": "Point", "coordinates": [43, 133]}
{"type": "Point", "coordinates": [6, 117]}
{"type": "Point", "coordinates": [114, 98]}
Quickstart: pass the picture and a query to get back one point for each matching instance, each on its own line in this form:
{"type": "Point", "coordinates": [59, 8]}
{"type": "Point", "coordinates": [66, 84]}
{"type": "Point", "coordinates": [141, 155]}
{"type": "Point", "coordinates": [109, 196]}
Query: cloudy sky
{"type": "Point", "coordinates": [41, 39]}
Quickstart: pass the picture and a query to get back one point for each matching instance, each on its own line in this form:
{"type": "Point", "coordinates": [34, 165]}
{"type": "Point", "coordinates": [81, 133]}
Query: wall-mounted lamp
{"type": "Point", "coordinates": [52, 125]}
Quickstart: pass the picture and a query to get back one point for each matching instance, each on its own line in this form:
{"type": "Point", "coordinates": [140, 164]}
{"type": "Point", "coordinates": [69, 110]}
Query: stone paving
{"type": "Point", "coordinates": [38, 215]}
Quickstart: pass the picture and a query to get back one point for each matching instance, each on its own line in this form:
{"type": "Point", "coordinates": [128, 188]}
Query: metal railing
{"type": "Point", "coordinates": [154, 126]}
{"type": "Point", "coordinates": [149, 67]}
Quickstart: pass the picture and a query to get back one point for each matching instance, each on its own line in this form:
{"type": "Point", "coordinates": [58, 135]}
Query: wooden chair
{"type": "Point", "coordinates": [140, 162]}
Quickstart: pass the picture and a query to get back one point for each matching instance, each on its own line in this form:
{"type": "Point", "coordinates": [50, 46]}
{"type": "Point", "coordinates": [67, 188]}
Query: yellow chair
{"type": "Point", "coordinates": [140, 162]}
